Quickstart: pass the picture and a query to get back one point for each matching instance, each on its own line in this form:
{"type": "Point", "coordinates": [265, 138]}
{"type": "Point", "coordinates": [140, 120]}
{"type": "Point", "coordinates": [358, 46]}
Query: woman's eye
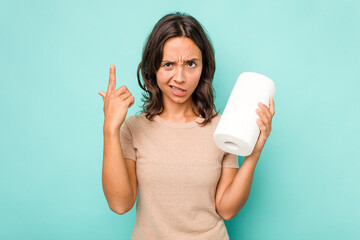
{"type": "Point", "coordinates": [191, 64]}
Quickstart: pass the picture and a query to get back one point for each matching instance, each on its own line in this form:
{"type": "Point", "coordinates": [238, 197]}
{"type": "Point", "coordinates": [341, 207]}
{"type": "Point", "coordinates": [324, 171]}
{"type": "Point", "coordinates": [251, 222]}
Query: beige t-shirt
{"type": "Point", "coordinates": [178, 167]}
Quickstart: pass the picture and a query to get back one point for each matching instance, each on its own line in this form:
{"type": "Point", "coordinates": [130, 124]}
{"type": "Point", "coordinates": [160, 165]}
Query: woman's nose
{"type": "Point", "coordinates": [179, 76]}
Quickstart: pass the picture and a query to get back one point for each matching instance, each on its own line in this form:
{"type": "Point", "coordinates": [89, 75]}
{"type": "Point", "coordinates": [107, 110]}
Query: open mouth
{"type": "Point", "coordinates": [177, 89]}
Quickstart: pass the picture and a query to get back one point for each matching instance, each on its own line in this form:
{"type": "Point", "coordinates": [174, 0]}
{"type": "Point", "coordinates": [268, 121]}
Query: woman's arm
{"type": "Point", "coordinates": [236, 195]}
{"type": "Point", "coordinates": [115, 177]}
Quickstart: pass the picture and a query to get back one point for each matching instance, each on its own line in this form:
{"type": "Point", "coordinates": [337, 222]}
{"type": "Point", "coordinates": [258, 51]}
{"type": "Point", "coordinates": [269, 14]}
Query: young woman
{"type": "Point", "coordinates": [165, 157]}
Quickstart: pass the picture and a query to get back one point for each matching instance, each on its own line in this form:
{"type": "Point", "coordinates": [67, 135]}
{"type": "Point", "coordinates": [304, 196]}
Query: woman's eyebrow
{"type": "Point", "coordinates": [193, 59]}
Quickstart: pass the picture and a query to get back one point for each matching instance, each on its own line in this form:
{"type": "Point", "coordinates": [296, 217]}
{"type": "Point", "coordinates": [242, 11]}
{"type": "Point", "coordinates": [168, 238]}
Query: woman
{"type": "Point", "coordinates": [165, 158]}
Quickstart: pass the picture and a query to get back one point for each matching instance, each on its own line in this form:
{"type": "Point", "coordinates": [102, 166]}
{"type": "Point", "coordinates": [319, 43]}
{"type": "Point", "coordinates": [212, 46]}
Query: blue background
{"type": "Point", "coordinates": [55, 58]}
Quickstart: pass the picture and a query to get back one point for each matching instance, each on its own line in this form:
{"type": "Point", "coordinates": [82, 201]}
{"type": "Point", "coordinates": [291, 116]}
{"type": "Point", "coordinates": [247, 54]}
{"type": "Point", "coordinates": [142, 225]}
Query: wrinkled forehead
{"type": "Point", "coordinates": [181, 49]}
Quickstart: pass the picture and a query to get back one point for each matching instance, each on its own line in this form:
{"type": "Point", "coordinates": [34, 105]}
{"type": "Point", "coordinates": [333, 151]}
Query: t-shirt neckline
{"type": "Point", "coordinates": [168, 123]}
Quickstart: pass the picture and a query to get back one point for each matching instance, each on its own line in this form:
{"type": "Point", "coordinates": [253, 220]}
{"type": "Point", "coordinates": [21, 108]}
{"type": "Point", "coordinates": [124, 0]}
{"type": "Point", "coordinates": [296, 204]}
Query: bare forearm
{"type": "Point", "coordinates": [115, 177]}
{"type": "Point", "coordinates": [236, 195]}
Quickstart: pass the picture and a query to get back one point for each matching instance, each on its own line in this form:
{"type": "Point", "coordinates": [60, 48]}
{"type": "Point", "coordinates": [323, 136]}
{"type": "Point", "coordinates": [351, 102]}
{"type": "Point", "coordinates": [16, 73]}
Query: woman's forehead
{"type": "Point", "coordinates": [181, 48]}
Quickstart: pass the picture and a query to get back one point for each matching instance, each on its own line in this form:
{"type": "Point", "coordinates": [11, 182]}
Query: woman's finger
{"type": "Point", "coordinates": [261, 125]}
{"type": "Point", "coordinates": [264, 118]}
{"type": "Point", "coordinates": [112, 79]}
{"type": "Point", "coordinates": [103, 95]}
{"type": "Point", "coordinates": [132, 99]}
{"type": "Point", "coordinates": [272, 106]}
{"type": "Point", "coordinates": [265, 110]}
{"type": "Point", "coordinates": [125, 95]}
{"type": "Point", "coordinates": [121, 90]}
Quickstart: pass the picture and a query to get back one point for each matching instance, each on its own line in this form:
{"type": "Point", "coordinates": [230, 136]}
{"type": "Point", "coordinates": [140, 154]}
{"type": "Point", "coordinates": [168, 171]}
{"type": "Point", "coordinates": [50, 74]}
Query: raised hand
{"type": "Point", "coordinates": [116, 103]}
{"type": "Point", "coordinates": [264, 122]}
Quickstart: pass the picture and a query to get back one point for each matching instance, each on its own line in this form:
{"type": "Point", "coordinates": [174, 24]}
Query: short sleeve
{"type": "Point", "coordinates": [230, 160]}
{"type": "Point", "coordinates": [126, 140]}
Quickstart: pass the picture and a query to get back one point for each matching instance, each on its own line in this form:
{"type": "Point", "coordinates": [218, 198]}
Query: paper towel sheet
{"type": "Point", "coordinates": [237, 130]}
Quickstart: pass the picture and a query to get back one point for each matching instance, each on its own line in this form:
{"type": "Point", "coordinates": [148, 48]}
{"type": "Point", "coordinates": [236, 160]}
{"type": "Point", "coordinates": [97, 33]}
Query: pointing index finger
{"type": "Point", "coordinates": [112, 79]}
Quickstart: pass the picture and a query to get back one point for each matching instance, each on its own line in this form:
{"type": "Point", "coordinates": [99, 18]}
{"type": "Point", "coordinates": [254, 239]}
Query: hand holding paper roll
{"type": "Point", "coordinates": [242, 130]}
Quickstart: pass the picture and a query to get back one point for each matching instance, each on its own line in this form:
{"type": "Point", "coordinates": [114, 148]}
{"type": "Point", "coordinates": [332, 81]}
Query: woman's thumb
{"type": "Point", "coordinates": [102, 94]}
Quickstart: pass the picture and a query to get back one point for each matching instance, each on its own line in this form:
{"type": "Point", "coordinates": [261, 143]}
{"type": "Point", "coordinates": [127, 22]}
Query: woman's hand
{"type": "Point", "coordinates": [264, 124]}
{"type": "Point", "coordinates": [116, 103]}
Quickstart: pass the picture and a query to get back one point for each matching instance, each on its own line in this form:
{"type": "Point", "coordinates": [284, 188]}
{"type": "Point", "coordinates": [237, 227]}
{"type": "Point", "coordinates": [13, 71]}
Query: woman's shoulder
{"type": "Point", "coordinates": [216, 118]}
{"type": "Point", "coordinates": [136, 120]}
{"type": "Point", "coordinates": [213, 122]}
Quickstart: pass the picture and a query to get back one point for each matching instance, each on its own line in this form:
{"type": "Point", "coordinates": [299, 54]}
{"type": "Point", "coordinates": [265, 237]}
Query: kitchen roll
{"type": "Point", "coordinates": [237, 131]}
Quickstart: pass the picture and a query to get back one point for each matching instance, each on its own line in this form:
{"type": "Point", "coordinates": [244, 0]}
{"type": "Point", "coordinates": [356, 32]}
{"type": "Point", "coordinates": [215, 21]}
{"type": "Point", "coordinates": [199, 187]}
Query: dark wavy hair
{"type": "Point", "coordinates": [177, 25]}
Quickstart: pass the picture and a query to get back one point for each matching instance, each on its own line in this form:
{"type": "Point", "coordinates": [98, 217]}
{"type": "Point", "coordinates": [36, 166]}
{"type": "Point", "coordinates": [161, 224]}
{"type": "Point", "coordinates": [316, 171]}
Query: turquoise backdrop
{"type": "Point", "coordinates": [55, 58]}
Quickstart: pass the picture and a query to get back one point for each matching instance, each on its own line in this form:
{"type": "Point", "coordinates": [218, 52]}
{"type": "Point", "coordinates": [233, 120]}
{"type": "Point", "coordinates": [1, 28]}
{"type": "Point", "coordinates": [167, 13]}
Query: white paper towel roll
{"type": "Point", "coordinates": [237, 130]}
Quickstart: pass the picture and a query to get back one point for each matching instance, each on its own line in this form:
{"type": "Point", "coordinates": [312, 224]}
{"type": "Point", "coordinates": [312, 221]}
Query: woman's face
{"type": "Point", "coordinates": [181, 67]}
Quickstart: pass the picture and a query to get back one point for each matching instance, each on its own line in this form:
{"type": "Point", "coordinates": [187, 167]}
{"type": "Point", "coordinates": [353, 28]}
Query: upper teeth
{"type": "Point", "coordinates": [176, 88]}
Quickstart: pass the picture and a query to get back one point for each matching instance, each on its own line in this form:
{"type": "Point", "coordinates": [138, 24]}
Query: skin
{"type": "Point", "coordinates": [234, 186]}
{"type": "Point", "coordinates": [264, 122]}
{"type": "Point", "coordinates": [181, 66]}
